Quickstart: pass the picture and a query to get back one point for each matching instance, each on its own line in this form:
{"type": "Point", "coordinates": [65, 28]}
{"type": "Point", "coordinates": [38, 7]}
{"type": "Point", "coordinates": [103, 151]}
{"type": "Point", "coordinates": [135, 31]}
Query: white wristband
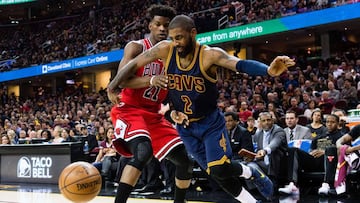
{"type": "Point", "coordinates": [151, 80]}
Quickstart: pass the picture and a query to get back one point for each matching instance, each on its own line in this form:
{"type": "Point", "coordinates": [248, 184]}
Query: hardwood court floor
{"type": "Point", "coordinates": [49, 193]}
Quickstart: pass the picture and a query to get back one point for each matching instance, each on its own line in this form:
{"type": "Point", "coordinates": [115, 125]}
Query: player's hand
{"type": "Point", "coordinates": [180, 118]}
{"type": "Point", "coordinates": [159, 81]}
{"type": "Point", "coordinates": [317, 153]}
{"type": "Point", "coordinates": [114, 96]}
{"type": "Point", "coordinates": [279, 65]}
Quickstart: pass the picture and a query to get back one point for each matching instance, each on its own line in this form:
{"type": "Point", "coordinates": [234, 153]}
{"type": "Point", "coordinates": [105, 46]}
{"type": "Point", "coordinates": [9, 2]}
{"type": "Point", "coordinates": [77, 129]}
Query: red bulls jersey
{"type": "Point", "coordinates": [149, 98]}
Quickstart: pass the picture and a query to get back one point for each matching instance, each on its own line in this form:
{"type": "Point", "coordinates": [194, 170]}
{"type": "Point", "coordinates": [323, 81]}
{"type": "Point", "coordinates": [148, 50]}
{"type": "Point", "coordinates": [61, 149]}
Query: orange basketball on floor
{"type": "Point", "coordinates": [80, 182]}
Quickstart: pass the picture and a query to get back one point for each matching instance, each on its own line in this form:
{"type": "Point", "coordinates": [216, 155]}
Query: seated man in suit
{"type": "Point", "coordinates": [272, 147]}
{"type": "Point", "coordinates": [238, 137]}
{"type": "Point", "coordinates": [314, 161]}
{"type": "Point", "coordinates": [293, 130]}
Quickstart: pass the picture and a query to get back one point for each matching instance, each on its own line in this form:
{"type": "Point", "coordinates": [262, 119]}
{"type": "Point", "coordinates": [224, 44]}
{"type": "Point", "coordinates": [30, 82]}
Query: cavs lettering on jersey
{"type": "Point", "coordinates": [191, 90]}
{"type": "Point", "coordinates": [149, 98]}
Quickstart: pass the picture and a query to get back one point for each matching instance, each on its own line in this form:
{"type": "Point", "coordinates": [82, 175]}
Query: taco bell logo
{"type": "Point", "coordinates": [24, 168]}
{"type": "Point", "coordinates": [44, 69]}
{"type": "Point", "coordinates": [34, 167]}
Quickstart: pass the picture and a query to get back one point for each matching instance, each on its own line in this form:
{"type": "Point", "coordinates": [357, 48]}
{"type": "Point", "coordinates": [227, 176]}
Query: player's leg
{"type": "Point", "coordinates": [183, 173]}
{"type": "Point", "coordinates": [167, 143]}
{"type": "Point", "coordinates": [142, 154]}
{"type": "Point", "coordinates": [132, 139]}
{"type": "Point", "coordinates": [222, 168]}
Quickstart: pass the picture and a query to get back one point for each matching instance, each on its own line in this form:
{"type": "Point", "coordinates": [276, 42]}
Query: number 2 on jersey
{"type": "Point", "coordinates": [187, 105]}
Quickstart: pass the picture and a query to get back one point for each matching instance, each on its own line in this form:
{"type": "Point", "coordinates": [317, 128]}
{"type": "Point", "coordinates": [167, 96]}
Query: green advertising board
{"type": "Point", "coordinates": [298, 21]}
{"type": "Point", "coordinates": [7, 2]}
{"type": "Point", "coordinates": [241, 32]}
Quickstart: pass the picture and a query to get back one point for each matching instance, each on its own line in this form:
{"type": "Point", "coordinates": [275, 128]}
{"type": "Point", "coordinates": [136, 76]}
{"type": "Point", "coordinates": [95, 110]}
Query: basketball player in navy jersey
{"type": "Point", "coordinates": [140, 130]}
{"type": "Point", "coordinates": [190, 77]}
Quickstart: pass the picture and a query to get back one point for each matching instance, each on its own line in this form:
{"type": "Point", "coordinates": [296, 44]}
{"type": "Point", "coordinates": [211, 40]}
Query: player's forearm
{"type": "Point", "coordinates": [136, 82]}
{"type": "Point", "coordinates": [252, 67]}
{"type": "Point", "coordinates": [122, 76]}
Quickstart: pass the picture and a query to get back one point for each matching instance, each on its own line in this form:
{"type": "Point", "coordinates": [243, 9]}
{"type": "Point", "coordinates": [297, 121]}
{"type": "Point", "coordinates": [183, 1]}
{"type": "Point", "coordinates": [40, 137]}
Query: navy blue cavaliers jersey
{"type": "Point", "coordinates": [191, 90]}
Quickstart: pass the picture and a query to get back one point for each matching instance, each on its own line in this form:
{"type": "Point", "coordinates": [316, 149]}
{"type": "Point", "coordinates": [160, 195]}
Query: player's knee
{"type": "Point", "coordinates": [220, 172]}
{"type": "Point", "coordinates": [184, 165]}
{"type": "Point", "coordinates": [142, 155]}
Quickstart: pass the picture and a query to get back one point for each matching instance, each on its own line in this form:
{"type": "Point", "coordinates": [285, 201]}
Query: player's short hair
{"type": "Point", "coordinates": [182, 21]}
{"type": "Point", "coordinates": [161, 10]}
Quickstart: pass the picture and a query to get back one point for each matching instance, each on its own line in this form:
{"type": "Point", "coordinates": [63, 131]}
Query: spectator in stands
{"type": "Point", "coordinates": [91, 139]}
{"type": "Point", "coordinates": [342, 124]}
{"type": "Point", "coordinates": [12, 135]}
{"type": "Point", "coordinates": [316, 126]}
{"type": "Point", "coordinates": [271, 147]}
{"type": "Point", "coordinates": [47, 135]}
{"type": "Point", "coordinates": [67, 137]}
{"type": "Point", "coordinates": [259, 107]}
{"type": "Point", "coordinates": [291, 81]}
{"type": "Point", "coordinates": [311, 108]}
{"type": "Point", "coordinates": [333, 93]}
{"type": "Point", "coordinates": [294, 131]}
{"type": "Point", "coordinates": [313, 161]}
{"type": "Point", "coordinates": [304, 104]}
{"type": "Point", "coordinates": [5, 140]}
{"type": "Point", "coordinates": [347, 160]}
{"type": "Point", "coordinates": [107, 157]}
{"type": "Point", "coordinates": [271, 108]}
{"type": "Point", "coordinates": [295, 107]}
{"type": "Point", "coordinates": [349, 93]}
{"type": "Point", "coordinates": [237, 136]}
{"type": "Point", "coordinates": [244, 112]}
{"type": "Point", "coordinates": [57, 135]}
{"type": "Point", "coordinates": [250, 126]}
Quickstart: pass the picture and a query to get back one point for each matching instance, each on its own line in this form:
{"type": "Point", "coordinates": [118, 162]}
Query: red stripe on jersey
{"type": "Point", "coordinates": [167, 148]}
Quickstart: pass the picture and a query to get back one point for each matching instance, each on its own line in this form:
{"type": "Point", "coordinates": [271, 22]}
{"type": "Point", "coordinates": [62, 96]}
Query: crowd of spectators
{"type": "Point", "coordinates": [322, 85]}
{"type": "Point", "coordinates": [97, 29]}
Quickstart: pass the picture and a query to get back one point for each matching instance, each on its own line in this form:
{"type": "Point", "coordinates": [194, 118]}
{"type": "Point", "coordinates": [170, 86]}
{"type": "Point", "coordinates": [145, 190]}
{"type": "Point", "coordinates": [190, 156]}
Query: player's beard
{"type": "Point", "coordinates": [188, 48]}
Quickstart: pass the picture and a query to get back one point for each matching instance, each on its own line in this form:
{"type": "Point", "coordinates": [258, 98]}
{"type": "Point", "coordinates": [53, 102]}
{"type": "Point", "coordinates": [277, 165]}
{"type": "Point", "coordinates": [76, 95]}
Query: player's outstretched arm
{"type": "Point", "coordinates": [221, 58]}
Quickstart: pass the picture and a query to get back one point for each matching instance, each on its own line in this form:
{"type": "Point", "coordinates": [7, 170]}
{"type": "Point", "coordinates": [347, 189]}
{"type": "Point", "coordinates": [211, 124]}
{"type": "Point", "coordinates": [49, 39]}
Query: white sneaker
{"type": "Point", "coordinates": [341, 189]}
{"type": "Point", "coordinates": [289, 199]}
{"type": "Point", "coordinates": [324, 190]}
{"type": "Point", "coordinates": [290, 189]}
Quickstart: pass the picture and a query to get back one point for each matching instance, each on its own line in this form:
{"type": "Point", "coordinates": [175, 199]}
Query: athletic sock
{"type": "Point", "coordinates": [179, 195]}
{"type": "Point", "coordinates": [123, 192]}
{"type": "Point", "coordinates": [245, 196]}
{"type": "Point", "coordinates": [246, 173]}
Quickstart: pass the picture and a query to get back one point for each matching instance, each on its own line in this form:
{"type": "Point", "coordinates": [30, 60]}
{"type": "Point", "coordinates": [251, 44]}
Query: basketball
{"type": "Point", "coordinates": [80, 182]}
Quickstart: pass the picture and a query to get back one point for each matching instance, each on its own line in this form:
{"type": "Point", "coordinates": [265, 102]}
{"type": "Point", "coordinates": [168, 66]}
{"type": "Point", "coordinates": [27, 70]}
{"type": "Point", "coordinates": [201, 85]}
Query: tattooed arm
{"type": "Point", "coordinates": [128, 70]}
{"type": "Point", "coordinates": [220, 58]}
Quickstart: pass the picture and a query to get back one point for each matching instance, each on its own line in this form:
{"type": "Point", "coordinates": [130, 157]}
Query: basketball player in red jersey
{"type": "Point", "coordinates": [141, 132]}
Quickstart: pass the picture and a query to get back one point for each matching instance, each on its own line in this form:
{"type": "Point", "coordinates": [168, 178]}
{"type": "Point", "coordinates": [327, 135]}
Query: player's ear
{"type": "Point", "coordinates": [193, 32]}
{"type": "Point", "coordinates": [150, 25]}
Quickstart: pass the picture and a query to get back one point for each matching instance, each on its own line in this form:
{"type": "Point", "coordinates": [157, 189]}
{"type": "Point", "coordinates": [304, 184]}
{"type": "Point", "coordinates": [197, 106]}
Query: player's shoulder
{"type": "Point", "coordinates": [164, 44]}
{"type": "Point", "coordinates": [134, 47]}
{"type": "Point", "coordinates": [212, 51]}
{"type": "Point", "coordinates": [135, 44]}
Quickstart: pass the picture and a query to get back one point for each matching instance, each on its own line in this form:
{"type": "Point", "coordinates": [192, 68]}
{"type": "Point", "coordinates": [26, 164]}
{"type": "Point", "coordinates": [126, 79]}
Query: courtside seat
{"type": "Point", "coordinates": [307, 180]}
